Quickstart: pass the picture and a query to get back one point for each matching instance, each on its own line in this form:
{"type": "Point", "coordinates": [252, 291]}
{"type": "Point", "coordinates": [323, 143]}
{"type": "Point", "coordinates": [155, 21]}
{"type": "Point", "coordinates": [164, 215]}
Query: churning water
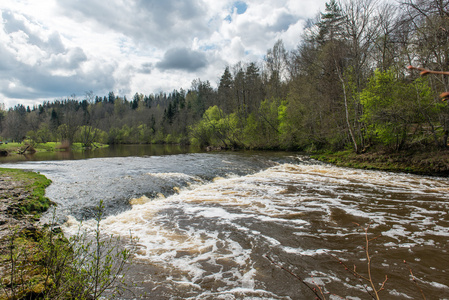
{"type": "Point", "coordinates": [205, 223]}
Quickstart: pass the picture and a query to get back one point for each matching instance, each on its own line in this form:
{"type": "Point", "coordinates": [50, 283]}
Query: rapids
{"type": "Point", "coordinates": [205, 223]}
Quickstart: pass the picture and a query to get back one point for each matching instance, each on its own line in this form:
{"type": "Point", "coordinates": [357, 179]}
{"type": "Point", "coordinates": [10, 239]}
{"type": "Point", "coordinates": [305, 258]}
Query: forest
{"type": "Point", "coordinates": [345, 86]}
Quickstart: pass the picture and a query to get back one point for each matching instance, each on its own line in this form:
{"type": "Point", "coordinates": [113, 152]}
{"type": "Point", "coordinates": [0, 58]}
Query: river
{"type": "Point", "coordinates": [206, 222]}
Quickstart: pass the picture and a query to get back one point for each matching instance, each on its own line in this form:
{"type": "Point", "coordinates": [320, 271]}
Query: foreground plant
{"type": "Point", "coordinates": [84, 266]}
{"type": "Point", "coordinates": [366, 281]}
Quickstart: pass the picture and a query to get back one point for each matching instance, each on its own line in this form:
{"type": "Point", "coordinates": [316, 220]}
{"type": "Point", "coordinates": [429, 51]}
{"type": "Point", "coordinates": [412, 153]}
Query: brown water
{"type": "Point", "coordinates": [207, 237]}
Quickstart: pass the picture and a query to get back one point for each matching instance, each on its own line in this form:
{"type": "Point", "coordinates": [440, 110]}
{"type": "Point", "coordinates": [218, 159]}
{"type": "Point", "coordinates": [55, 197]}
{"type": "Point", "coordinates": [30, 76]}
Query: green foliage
{"type": "Point", "coordinates": [63, 132]}
{"type": "Point", "coordinates": [285, 139]}
{"type": "Point", "coordinates": [392, 107]}
{"type": "Point", "coordinates": [282, 118]}
{"type": "Point", "coordinates": [264, 126]}
{"type": "Point", "coordinates": [145, 134]}
{"type": "Point", "coordinates": [251, 131]}
{"type": "Point", "coordinates": [158, 137]}
{"type": "Point", "coordinates": [215, 128]}
{"type": "Point", "coordinates": [87, 265]}
{"type": "Point", "coordinates": [35, 185]}
{"type": "Point", "coordinates": [120, 136]}
{"type": "Point", "coordinates": [171, 139]}
{"type": "Point", "coordinates": [43, 134]}
{"type": "Point", "coordinates": [88, 136]}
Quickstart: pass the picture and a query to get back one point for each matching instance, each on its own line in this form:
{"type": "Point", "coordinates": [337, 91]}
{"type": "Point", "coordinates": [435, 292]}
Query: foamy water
{"type": "Point", "coordinates": [201, 237]}
{"type": "Point", "coordinates": [209, 240]}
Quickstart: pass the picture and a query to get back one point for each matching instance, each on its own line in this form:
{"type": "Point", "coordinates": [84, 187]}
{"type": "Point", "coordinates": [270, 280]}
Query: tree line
{"type": "Point", "coordinates": [346, 85]}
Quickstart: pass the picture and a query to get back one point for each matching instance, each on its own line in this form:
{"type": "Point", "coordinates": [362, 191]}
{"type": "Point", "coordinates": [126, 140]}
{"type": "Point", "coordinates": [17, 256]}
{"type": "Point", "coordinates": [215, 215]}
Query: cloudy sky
{"type": "Point", "coordinates": [51, 49]}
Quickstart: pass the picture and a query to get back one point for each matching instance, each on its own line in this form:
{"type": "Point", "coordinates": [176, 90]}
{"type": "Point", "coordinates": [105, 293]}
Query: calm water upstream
{"type": "Point", "coordinates": [205, 222]}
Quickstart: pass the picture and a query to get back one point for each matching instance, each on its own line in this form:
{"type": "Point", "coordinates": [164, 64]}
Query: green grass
{"type": "Point", "coordinates": [79, 146]}
{"type": "Point", "coordinates": [48, 147]}
{"type": "Point", "coordinates": [35, 184]}
{"type": "Point", "coordinates": [13, 148]}
{"type": "Point", "coordinates": [433, 162]}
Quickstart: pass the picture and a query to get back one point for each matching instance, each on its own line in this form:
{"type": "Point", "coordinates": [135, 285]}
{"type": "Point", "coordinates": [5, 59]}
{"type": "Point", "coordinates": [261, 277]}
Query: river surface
{"type": "Point", "coordinates": [206, 222]}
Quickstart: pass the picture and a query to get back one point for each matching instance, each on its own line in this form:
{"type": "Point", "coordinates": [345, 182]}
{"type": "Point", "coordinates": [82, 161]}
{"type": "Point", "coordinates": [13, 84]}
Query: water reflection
{"type": "Point", "coordinates": [111, 151]}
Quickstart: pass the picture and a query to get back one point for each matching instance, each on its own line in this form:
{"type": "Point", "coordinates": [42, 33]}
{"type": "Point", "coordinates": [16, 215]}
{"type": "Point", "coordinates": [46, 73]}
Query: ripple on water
{"type": "Point", "coordinates": [207, 239]}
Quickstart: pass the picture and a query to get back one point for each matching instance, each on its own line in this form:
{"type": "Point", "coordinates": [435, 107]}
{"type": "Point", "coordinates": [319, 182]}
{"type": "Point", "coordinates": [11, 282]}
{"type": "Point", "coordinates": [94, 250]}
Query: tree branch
{"type": "Point", "coordinates": [444, 96]}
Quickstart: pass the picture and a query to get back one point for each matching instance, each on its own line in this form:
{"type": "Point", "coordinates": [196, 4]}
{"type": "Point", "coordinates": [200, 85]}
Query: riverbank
{"type": "Point", "coordinates": [8, 149]}
{"type": "Point", "coordinates": [432, 162]}
{"type": "Point", "coordinates": [22, 200]}
{"type": "Point", "coordinates": [38, 262]}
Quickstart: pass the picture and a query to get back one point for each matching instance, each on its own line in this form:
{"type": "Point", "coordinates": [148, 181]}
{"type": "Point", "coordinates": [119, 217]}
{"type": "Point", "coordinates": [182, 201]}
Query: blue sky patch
{"type": "Point", "coordinates": [241, 7]}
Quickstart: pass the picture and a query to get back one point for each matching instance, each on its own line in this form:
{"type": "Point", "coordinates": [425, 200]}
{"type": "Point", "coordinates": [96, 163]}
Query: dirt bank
{"type": "Point", "coordinates": [22, 201]}
{"type": "Point", "coordinates": [432, 162]}
{"type": "Point", "coordinates": [12, 194]}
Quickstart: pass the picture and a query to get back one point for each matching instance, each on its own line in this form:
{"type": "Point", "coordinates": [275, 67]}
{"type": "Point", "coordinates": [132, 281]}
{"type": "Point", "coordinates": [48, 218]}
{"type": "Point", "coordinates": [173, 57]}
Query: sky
{"type": "Point", "coordinates": [54, 49]}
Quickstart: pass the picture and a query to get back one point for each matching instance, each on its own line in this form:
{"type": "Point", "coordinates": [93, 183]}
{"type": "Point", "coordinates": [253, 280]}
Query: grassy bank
{"type": "Point", "coordinates": [22, 198]}
{"type": "Point", "coordinates": [24, 192]}
{"type": "Point", "coordinates": [17, 148]}
{"type": "Point", "coordinates": [39, 262]}
{"type": "Point", "coordinates": [432, 162]}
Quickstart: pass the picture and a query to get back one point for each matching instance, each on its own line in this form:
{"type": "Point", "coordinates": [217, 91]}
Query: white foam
{"type": "Point", "coordinates": [439, 285]}
{"type": "Point", "coordinates": [220, 222]}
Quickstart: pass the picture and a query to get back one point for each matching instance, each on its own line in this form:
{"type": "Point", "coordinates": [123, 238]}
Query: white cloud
{"type": "Point", "coordinates": [54, 48]}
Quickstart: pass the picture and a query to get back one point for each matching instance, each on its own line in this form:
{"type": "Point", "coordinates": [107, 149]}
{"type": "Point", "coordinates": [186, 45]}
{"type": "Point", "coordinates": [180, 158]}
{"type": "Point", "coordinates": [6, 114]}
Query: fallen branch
{"type": "Point", "coordinates": [23, 152]}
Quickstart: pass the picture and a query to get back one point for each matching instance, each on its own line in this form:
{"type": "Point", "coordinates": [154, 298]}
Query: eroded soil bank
{"type": "Point", "coordinates": [432, 162]}
{"type": "Point", "coordinates": [22, 201]}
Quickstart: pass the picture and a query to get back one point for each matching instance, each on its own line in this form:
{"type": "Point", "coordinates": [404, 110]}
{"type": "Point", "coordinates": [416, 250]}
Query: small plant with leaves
{"type": "Point", "coordinates": [87, 265]}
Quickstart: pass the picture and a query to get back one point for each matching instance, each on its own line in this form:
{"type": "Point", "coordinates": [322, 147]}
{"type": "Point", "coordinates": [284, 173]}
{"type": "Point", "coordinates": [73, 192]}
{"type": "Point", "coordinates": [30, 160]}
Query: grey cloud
{"type": "Point", "coordinates": [255, 35]}
{"type": "Point", "coordinates": [68, 61]}
{"type": "Point", "coordinates": [7, 59]}
{"type": "Point", "coordinates": [55, 43]}
{"type": "Point", "coordinates": [182, 59]}
{"type": "Point", "coordinates": [283, 22]}
{"type": "Point", "coordinates": [23, 81]}
{"type": "Point", "coordinates": [152, 21]}
{"type": "Point", "coordinates": [34, 83]}
{"type": "Point", "coordinates": [75, 58]}
{"type": "Point", "coordinates": [184, 9]}
{"type": "Point", "coordinates": [12, 24]}
{"type": "Point", "coordinates": [146, 68]}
